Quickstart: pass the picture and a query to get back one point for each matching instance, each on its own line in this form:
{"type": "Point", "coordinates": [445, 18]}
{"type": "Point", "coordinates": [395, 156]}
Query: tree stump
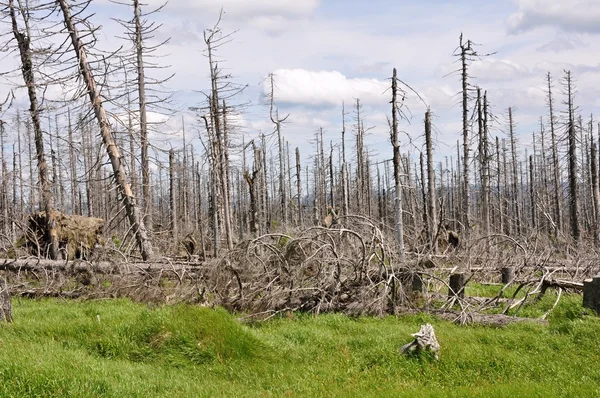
{"type": "Point", "coordinates": [417, 285]}
{"type": "Point", "coordinates": [425, 340]}
{"type": "Point", "coordinates": [457, 284]}
{"type": "Point", "coordinates": [591, 294]}
{"type": "Point", "coordinates": [5, 303]}
{"type": "Point", "coordinates": [508, 274]}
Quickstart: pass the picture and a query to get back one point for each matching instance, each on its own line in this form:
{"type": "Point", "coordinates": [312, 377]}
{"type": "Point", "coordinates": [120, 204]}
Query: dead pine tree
{"type": "Point", "coordinates": [172, 199]}
{"type": "Point", "coordinates": [139, 31]}
{"type": "Point", "coordinates": [274, 116]}
{"type": "Point", "coordinates": [572, 158]}
{"type": "Point", "coordinates": [119, 175]}
{"type": "Point", "coordinates": [345, 193]}
{"type": "Point", "coordinates": [431, 195]}
{"type": "Point", "coordinates": [299, 187]}
{"type": "Point", "coordinates": [483, 156]}
{"type": "Point", "coordinates": [595, 185]}
{"type": "Point", "coordinates": [219, 148]}
{"type": "Point", "coordinates": [557, 197]}
{"type": "Point", "coordinates": [397, 166]}
{"type": "Point", "coordinates": [252, 180]}
{"type": "Point", "coordinates": [466, 54]}
{"type": "Point", "coordinates": [23, 39]}
{"type": "Point", "coordinates": [515, 172]}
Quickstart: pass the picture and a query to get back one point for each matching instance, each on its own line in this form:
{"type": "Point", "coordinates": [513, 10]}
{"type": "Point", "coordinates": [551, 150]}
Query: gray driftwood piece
{"type": "Point", "coordinates": [425, 340]}
{"type": "Point", "coordinates": [5, 303]}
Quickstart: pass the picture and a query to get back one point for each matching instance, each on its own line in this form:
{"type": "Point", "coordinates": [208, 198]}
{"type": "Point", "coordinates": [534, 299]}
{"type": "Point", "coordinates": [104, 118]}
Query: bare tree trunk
{"type": "Point", "coordinates": [172, 203]}
{"type": "Point", "coordinates": [200, 223]}
{"type": "Point", "coordinates": [185, 195]}
{"type": "Point", "coordinates": [558, 215]}
{"type": "Point", "coordinates": [515, 172]}
{"type": "Point", "coordinates": [27, 69]}
{"type": "Point", "coordinates": [72, 167]}
{"type": "Point", "coordinates": [425, 208]}
{"type": "Point", "coordinates": [20, 168]}
{"type": "Point", "coordinates": [345, 193]}
{"type": "Point", "coordinates": [431, 197]}
{"type": "Point", "coordinates": [572, 158]}
{"type": "Point", "coordinates": [252, 183]}
{"type": "Point", "coordinates": [299, 187]}
{"type": "Point", "coordinates": [274, 115]}
{"type": "Point", "coordinates": [532, 196]}
{"type": "Point", "coordinates": [595, 188]}
{"type": "Point", "coordinates": [137, 224]}
{"type": "Point", "coordinates": [397, 168]}
{"type": "Point", "coordinates": [141, 86]}
{"type": "Point", "coordinates": [331, 177]}
{"type": "Point", "coordinates": [544, 171]}
{"type": "Point", "coordinates": [485, 169]}
{"type": "Point", "coordinates": [465, 48]}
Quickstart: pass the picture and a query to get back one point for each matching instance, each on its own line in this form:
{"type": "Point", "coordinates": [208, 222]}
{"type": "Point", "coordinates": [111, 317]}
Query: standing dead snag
{"type": "Point", "coordinates": [425, 340]}
{"type": "Point", "coordinates": [27, 68]}
{"type": "Point", "coordinates": [5, 303]}
{"type": "Point", "coordinates": [397, 166]}
{"type": "Point", "coordinates": [133, 213]}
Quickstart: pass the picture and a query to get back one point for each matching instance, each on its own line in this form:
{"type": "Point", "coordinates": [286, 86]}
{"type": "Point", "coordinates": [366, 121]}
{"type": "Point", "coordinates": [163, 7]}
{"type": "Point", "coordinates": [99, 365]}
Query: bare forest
{"type": "Point", "coordinates": [90, 206]}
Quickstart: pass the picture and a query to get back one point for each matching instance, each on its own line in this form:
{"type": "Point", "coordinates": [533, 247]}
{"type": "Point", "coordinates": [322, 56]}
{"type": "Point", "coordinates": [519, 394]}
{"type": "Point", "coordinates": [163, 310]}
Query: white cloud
{"type": "Point", "coordinates": [569, 15]}
{"type": "Point", "coordinates": [241, 8]}
{"type": "Point", "coordinates": [490, 69]}
{"type": "Point", "coordinates": [300, 86]}
{"type": "Point", "coordinates": [563, 44]}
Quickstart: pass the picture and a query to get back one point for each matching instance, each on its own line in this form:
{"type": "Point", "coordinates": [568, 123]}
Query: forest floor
{"type": "Point", "coordinates": [118, 348]}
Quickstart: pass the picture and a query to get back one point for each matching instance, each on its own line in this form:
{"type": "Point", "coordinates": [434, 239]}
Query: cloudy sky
{"type": "Point", "coordinates": [328, 52]}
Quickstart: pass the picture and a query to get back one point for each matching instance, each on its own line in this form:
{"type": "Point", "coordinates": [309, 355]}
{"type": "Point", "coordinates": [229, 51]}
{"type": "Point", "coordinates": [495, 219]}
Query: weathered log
{"type": "Point", "coordinates": [103, 267]}
{"type": "Point", "coordinates": [563, 284]}
{"type": "Point", "coordinates": [496, 320]}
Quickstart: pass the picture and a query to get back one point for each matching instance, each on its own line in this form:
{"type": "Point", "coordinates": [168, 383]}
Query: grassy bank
{"type": "Point", "coordinates": [122, 349]}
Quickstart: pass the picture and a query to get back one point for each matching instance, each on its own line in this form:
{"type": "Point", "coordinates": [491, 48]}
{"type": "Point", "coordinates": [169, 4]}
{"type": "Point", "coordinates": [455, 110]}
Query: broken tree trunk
{"type": "Point", "coordinates": [133, 213]}
{"type": "Point", "coordinates": [5, 303]}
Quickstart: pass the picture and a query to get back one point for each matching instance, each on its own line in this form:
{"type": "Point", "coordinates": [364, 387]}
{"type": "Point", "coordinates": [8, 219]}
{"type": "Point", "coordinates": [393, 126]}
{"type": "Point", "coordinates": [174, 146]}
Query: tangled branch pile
{"type": "Point", "coordinates": [347, 268]}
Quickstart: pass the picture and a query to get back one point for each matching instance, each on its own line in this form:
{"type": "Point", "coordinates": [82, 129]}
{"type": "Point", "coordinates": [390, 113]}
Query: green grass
{"type": "Point", "coordinates": [60, 349]}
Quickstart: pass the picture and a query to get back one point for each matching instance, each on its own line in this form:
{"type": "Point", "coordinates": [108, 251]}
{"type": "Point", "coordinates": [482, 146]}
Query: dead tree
{"type": "Point", "coordinates": [572, 159]}
{"type": "Point", "coordinates": [220, 88]}
{"type": "Point", "coordinates": [397, 166]}
{"type": "Point", "coordinates": [485, 167]}
{"type": "Point", "coordinates": [139, 31]}
{"type": "Point", "coordinates": [515, 171]}
{"type": "Point", "coordinates": [466, 51]}
{"type": "Point", "coordinates": [23, 39]}
{"type": "Point", "coordinates": [466, 54]}
{"type": "Point", "coordinates": [274, 116]}
{"type": "Point", "coordinates": [172, 200]}
{"type": "Point", "coordinates": [558, 215]}
{"type": "Point", "coordinates": [252, 181]}
{"type": "Point", "coordinates": [431, 197]}
{"type": "Point", "coordinates": [119, 175]}
{"type": "Point", "coordinates": [345, 193]}
{"type": "Point", "coordinates": [595, 187]}
{"type": "Point", "coordinates": [299, 187]}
